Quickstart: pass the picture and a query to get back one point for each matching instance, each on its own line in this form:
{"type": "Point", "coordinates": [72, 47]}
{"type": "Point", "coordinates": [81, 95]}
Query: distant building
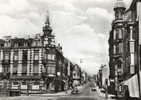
{"type": "Point", "coordinates": [76, 72]}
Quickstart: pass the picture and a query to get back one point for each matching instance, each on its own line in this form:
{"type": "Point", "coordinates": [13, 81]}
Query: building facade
{"type": "Point", "coordinates": [124, 44]}
{"type": "Point", "coordinates": [33, 65]}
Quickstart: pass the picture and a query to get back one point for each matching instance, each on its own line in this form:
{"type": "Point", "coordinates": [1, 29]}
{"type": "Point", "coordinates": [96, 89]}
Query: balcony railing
{"type": "Point", "coordinates": [6, 61]}
{"type": "Point", "coordinates": [5, 75]}
{"type": "Point", "coordinates": [25, 76]}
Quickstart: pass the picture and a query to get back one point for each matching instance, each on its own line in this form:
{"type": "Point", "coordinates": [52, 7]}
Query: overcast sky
{"type": "Point", "coordinates": [81, 26]}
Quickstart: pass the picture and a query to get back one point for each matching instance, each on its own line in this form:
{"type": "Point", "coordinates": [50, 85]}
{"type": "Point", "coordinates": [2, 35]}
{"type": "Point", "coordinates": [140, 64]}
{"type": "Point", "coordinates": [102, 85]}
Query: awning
{"type": "Point", "coordinates": [133, 86]}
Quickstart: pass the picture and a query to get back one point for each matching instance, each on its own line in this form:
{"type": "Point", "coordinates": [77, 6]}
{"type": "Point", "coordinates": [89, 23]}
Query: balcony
{"type": "Point", "coordinates": [119, 22]}
{"type": "Point", "coordinates": [45, 75]}
{"type": "Point", "coordinates": [117, 55]}
{"type": "Point", "coordinates": [25, 76]}
{"type": "Point", "coordinates": [4, 75]}
{"type": "Point", "coordinates": [5, 61]}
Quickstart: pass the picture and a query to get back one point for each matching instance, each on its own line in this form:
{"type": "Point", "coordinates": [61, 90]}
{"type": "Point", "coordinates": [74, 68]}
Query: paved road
{"type": "Point", "coordinates": [85, 94]}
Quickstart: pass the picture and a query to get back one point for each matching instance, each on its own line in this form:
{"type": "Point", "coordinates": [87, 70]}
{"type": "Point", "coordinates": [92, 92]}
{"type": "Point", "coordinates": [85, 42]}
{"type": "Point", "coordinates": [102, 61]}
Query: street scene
{"type": "Point", "coordinates": [70, 50]}
{"type": "Point", "coordinates": [85, 92]}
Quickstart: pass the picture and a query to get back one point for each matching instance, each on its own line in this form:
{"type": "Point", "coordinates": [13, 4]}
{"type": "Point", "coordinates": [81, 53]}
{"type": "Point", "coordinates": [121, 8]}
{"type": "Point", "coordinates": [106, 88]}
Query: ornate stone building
{"type": "Point", "coordinates": [124, 44]}
{"type": "Point", "coordinates": [32, 65]}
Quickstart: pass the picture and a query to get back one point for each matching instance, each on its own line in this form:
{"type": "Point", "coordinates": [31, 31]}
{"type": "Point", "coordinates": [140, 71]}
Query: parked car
{"type": "Point", "coordinates": [93, 89]}
{"type": "Point", "coordinates": [75, 90]}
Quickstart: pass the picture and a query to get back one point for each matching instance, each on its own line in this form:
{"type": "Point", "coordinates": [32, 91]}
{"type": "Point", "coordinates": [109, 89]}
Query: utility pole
{"type": "Point", "coordinates": [106, 88]}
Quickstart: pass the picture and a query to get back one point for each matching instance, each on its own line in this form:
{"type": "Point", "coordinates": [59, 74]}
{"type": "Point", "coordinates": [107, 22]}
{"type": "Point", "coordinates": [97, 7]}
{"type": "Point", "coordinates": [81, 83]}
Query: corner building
{"type": "Point", "coordinates": [124, 44]}
{"type": "Point", "coordinates": [31, 65]}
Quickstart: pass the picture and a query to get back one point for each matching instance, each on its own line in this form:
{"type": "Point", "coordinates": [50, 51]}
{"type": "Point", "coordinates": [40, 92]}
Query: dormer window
{"type": "Point", "coordinates": [16, 45]}
{"type": "Point", "coordinates": [20, 44]}
{"type": "Point", "coordinates": [7, 43]}
{"type": "Point", "coordinates": [25, 44]}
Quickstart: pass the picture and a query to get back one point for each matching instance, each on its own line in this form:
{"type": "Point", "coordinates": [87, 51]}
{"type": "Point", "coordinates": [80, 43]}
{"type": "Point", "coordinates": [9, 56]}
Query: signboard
{"type": "Point", "coordinates": [139, 19]}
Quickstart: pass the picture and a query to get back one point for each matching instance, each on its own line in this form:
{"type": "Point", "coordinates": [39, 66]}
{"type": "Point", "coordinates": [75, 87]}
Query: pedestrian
{"type": "Point", "coordinates": [66, 86]}
{"type": "Point", "coordinates": [106, 88]}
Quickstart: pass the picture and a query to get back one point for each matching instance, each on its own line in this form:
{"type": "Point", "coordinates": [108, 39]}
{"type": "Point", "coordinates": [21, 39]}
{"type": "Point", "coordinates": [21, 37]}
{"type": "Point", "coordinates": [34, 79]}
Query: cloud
{"type": "Point", "coordinates": [99, 19]}
{"type": "Point", "coordinates": [80, 25]}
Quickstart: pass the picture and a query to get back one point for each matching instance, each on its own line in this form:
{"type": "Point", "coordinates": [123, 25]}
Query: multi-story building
{"type": "Point", "coordinates": [33, 65]}
{"type": "Point", "coordinates": [124, 43]}
{"type": "Point", "coordinates": [76, 75]}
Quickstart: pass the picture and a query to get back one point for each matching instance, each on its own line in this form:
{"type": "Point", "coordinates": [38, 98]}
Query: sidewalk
{"type": "Point", "coordinates": [101, 94]}
{"type": "Point", "coordinates": [63, 93]}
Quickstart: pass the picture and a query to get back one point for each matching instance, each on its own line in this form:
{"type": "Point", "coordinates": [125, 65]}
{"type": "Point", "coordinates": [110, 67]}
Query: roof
{"type": "Point", "coordinates": [119, 4]}
{"type": "Point", "coordinates": [132, 4]}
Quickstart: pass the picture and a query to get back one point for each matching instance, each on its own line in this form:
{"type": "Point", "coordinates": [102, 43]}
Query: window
{"type": "Point", "coordinates": [6, 56]}
{"type": "Point", "coordinates": [24, 69]}
{"type": "Point", "coordinates": [36, 54]}
{"type": "Point", "coordinates": [118, 14]}
{"type": "Point", "coordinates": [16, 44]}
{"type": "Point", "coordinates": [24, 54]}
{"type": "Point", "coordinates": [132, 47]}
{"type": "Point", "coordinates": [15, 83]}
{"type": "Point", "coordinates": [25, 44]}
{"type": "Point", "coordinates": [36, 69]}
{"type": "Point", "coordinates": [39, 43]}
{"type": "Point", "coordinates": [36, 43]}
{"type": "Point", "coordinates": [36, 83]}
{"type": "Point", "coordinates": [51, 57]}
{"type": "Point", "coordinates": [120, 47]}
{"type": "Point", "coordinates": [15, 55]}
{"type": "Point", "coordinates": [51, 70]}
{"type": "Point", "coordinates": [15, 68]}
{"type": "Point", "coordinates": [7, 43]}
{"type": "Point", "coordinates": [74, 74]}
{"type": "Point", "coordinates": [120, 34]}
{"type": "Point", "coordinates": [114, 49]}
{"type": "Point", "coordinates": [114, 35]}
{"type": "Point", "coordinates": [21, 44]}
{"type": "Point", "coordinates": [6, 68]}
{"type": "Point", "coordinates": [23, 83]}
{"type": "Point", "coordinates": [132, 59]}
